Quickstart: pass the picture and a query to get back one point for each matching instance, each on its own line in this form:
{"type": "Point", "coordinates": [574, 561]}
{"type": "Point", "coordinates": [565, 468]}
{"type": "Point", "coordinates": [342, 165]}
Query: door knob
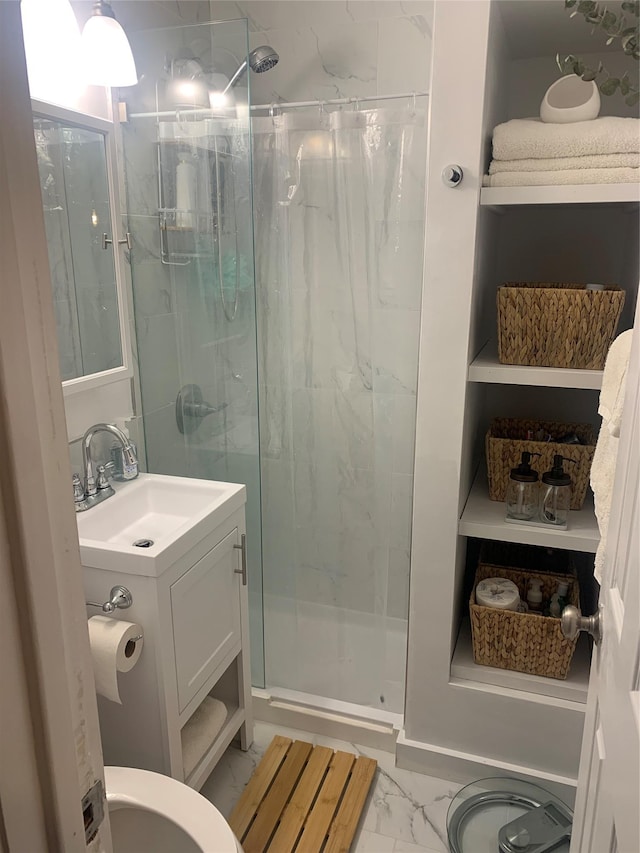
{"type": "Point", "coordinates": [452, 175]}
{"type": "Point", "coordinates": [572, 622]}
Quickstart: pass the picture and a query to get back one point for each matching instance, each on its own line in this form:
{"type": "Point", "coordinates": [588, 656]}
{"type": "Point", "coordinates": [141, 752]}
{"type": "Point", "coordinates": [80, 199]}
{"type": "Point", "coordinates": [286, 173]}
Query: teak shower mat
{"type": "Point", "coordinates": [302, 798]}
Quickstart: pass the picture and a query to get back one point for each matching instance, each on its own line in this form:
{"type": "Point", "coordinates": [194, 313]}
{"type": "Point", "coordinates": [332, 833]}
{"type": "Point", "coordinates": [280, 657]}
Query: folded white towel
{"type": "Point", "coordinates": [603, 467]}
{"type": "Point", "coordinates": [525, 139]}
{"type": "Point", "coordinates": [569, 176]}
{"type": "Point", "coordinates": [554, 164]}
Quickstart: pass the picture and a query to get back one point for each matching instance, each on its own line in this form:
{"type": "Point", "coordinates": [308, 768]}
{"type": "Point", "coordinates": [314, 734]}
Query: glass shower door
{"type": "Point", "coordinates": [188, 181]}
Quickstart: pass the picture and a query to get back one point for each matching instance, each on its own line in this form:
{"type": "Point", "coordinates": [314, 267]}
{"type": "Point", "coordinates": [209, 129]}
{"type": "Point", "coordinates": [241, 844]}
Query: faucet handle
{"type": "Point", "coordinates": [102, 482]}
{"type": "Point", "coordinates": [78, 491]}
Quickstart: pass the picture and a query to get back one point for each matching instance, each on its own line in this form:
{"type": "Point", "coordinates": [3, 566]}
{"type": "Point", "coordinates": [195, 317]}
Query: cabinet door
{"type": "Point", "coordinates": [205, 606]}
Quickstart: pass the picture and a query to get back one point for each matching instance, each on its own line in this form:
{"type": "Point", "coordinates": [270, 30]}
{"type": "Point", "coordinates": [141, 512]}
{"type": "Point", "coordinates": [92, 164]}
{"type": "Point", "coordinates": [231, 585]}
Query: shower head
{"type": "Point", "coordinates": [260, 59]}
{"type": "Point", "coordinates": [263, 58]}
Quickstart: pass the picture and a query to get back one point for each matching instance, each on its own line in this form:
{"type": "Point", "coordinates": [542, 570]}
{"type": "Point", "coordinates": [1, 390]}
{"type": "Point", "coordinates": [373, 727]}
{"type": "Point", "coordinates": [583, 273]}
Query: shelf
{"type": "Point", "coordinates": [202, 770]}
{"type": "Point", "coordinates": [576, 194]}
{"type": "Point", "coordinates": [486, 368]}
{"type": "Point", "coordinates": [573, 688]}
{"type": "Point", "coordinates": [484, 519]}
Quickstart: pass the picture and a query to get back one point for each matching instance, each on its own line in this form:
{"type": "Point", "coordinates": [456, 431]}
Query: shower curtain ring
{"type": "Point", "coordinates": [413, 102]}
{"type": "Point", "coordinates": [272, 111]}
{"type": "Point", "coordinates": [356, 103]}
{"type": "Point", "coordinates": [321, 106]}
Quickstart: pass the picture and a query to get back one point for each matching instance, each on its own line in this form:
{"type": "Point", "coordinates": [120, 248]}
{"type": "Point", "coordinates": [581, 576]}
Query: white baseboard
{"type": "Point", "coordinates": [466, 767]}
{"type": "Point", "coordinates": [340, 720]}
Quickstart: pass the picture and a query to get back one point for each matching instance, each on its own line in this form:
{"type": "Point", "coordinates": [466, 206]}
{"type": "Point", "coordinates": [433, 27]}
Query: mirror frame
{"type": "Point", "coordinates": [42, 109]}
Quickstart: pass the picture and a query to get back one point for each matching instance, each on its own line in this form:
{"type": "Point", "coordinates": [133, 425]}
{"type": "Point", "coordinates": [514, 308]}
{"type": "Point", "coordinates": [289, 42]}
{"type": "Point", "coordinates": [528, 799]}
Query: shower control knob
{"type": "Point", "coordinates": [452, 175]}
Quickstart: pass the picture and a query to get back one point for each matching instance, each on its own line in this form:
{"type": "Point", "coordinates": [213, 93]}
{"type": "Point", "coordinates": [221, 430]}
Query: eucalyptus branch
{"type": "Point", "coordinates": [615, 27]}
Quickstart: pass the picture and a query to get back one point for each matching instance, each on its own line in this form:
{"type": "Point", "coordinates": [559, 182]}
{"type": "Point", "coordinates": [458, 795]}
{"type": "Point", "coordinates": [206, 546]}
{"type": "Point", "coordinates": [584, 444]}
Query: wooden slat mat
{"type": "Point", "coordinates": [302, 798]}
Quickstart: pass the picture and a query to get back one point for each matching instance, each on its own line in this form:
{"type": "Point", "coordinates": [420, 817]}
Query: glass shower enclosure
{"type": "Point", "coordinates": [189, 210]}
{"type": "Point", "coordinates": [319, 335]}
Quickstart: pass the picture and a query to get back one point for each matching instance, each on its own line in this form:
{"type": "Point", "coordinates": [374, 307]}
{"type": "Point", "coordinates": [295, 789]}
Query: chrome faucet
{"type": "Point", "coordinates": [96, 486]}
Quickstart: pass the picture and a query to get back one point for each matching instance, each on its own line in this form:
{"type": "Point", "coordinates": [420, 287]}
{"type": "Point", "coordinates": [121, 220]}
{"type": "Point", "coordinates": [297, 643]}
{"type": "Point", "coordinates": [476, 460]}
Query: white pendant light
{"type": "Point", "coordinates": [106, 49]}
{"type": "Point", "coordinates": [52, 47]}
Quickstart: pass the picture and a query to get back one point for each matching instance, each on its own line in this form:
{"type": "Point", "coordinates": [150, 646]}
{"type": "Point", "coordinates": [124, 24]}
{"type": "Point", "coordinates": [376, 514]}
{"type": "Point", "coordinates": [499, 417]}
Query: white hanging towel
{"type": "Point", "coordinates": [521, 139]}
{"type": "Point", "coordinates": [603, 467]}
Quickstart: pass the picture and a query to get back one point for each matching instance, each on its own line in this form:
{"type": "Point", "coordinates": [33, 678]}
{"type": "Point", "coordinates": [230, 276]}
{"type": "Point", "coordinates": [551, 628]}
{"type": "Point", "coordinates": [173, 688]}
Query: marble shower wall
{"type": "Point", "coordinates": [336, 49]}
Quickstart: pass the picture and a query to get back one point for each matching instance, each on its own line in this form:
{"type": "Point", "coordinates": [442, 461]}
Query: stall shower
{"type": "Point", "coordinates": [276, 273]}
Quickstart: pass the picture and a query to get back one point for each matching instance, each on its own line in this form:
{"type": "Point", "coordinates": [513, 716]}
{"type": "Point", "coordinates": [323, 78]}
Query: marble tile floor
{"type": "Point", "coordinates": [406, 812]}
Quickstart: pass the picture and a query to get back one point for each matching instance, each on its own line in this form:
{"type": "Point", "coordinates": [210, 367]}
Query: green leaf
{"type": "Point", "coordinates": [585, 7]}
{"type": "Point", "coordinates": [609, 19]}
{"type": "Point", "coordinates": [609, 86]}
{"type": "Point", "coordinates": [633, 6]}
{"type": "Point", "coordinates": [569, 4]}
{"type": "Point", "coordinates": [589, 75]}
{"type": "Point", "coordinates": [625, 88]}
{"type": "Point", "coordinates": [632, 100]}
{"type": "Point", "coordinates": [578, 67]}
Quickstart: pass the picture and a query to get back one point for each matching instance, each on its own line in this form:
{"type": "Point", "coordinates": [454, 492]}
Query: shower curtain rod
{"type": "Point", "coordinates": [286, 105]}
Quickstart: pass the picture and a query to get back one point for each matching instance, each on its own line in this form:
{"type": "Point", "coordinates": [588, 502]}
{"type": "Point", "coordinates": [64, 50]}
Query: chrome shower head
{"type": "Point", "coordinates": [263, 58]}
{"type": "Point", "coordinates": [260, 59]}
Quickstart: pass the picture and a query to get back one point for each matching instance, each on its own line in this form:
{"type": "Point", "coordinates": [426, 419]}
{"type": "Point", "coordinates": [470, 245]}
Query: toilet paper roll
{"type": "Point", "coordinates": [116, 646]}
{"type": "Point", "coordinates": [499, 593]}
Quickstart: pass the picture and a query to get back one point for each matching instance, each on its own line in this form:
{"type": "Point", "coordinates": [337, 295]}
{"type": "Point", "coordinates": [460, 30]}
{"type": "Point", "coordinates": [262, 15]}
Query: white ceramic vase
{"type": "Point", "coordinates": [570, 99]}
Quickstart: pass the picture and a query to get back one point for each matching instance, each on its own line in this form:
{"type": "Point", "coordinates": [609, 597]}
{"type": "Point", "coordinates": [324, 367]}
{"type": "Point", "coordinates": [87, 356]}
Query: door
{"type": "Point", "coordinates": [606, 817]}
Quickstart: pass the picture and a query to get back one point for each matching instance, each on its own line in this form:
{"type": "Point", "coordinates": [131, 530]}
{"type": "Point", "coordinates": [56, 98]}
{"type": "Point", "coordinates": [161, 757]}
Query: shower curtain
{"type": "Point", "coordinates": [339, 219]}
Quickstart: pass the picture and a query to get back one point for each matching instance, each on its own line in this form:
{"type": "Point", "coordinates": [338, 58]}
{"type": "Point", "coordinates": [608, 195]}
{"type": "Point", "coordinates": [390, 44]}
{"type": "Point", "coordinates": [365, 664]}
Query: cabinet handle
{"type": "Point", "coordinates": [242, 547]}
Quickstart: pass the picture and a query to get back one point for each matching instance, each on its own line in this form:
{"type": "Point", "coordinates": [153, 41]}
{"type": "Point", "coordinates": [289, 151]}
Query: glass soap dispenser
{"type": "Point", "coordinates": [522, 491]}
{"type": "Point", "coordinates": [556, 494]}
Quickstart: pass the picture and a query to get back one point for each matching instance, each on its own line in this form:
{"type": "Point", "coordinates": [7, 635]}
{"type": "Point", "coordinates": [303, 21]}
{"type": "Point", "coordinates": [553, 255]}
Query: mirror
{"type": "Point", "coordinates": [74, 180]}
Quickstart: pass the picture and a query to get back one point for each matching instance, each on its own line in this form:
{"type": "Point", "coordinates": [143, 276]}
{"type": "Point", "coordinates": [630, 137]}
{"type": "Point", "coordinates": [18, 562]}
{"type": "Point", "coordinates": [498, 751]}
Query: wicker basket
{"type": "Point", "coordinates": [506, 440]}
{"type": "Point", "coordinates": [525, 642]}
{"type": "Point", "coordinates": [557, 325]}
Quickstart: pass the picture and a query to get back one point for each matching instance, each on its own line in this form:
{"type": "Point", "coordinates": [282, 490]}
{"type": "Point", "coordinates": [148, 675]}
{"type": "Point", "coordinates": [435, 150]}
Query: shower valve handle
{"type": "Point", "coordinates": [191, 408]}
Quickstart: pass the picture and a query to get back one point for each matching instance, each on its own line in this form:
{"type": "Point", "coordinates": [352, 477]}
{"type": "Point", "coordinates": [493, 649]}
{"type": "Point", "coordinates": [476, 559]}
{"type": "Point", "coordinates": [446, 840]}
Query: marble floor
{"type": "Point", "coordinates": [406, 812]}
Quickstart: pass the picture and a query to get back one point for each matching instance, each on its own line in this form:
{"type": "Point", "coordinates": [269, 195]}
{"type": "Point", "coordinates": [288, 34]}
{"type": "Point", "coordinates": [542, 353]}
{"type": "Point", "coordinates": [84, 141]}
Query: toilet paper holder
{"type": "Point", "coordinates": [119, 599]}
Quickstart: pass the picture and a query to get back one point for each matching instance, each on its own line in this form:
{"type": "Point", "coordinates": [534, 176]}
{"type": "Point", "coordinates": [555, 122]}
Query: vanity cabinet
{"type": "Point", "coordinates": [465, 721]}
{"type": "Point", "coordinates": [194, 617]}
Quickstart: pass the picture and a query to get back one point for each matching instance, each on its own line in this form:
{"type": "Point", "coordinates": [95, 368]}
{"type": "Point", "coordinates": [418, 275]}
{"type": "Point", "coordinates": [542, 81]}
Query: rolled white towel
{"type": "Point", "coordinates": [525, 139]}
{"type": "Point", "coordinates": [569, 177]}
{"type": "Point", "coordinates": [553, 164]}
{"type": "Point", "coordinates": [199, 733]}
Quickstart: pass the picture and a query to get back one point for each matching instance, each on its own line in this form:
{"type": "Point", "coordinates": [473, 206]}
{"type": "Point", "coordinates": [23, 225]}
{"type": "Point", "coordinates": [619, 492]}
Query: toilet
{"type": "Point", "coordinates": [151, 813]}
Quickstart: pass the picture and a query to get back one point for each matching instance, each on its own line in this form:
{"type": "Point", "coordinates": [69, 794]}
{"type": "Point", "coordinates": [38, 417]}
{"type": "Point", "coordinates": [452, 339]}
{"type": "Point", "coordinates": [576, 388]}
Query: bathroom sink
{"type": "Point", "coordinates": [152, 521]}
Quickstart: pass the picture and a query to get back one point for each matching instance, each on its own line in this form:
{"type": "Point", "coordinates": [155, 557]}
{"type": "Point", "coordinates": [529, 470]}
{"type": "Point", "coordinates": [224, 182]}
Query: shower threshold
{"type": "Point", "coordinates": [328, 717]}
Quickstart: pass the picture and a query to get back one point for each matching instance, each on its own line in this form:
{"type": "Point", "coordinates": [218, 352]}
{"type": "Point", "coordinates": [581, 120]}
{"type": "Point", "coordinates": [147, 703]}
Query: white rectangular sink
{"type": "Point", "coordinates": [152, 521]}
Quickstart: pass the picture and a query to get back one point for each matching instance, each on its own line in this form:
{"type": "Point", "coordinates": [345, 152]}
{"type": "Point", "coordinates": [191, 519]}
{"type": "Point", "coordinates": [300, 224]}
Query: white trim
{"type": "Point", "coordinates": [41, 534]}
{"type": "Point", "coordinates": [466, 767]}
{"type": "Point", "coordinates": [43, 109]}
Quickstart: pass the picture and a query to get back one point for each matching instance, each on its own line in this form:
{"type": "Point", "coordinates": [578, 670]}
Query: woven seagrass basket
{"type": "Point", "coordinates": [506, 440]}
{"type": "Point", "coordinates": [524, 642]}
{"type": "Point", "coordinates": [557, 325]}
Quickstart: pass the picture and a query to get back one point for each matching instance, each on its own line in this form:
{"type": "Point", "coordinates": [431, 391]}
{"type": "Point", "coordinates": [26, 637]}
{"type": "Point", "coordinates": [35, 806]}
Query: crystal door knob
{"type": "Point", "coordinates": [452, 175]}
{"type": "Point", "coordinates": [572, 622]}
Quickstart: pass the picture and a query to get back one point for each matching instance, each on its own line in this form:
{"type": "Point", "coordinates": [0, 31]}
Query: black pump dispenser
{"type": "Point", "coordinates": [557, 476]}
{"type": "Point", "coordinates": [524, 473]}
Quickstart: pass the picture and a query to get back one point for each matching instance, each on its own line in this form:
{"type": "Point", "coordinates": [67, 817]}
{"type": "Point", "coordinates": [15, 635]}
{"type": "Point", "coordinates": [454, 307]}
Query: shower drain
{"type": "Point", "coordinates": [143, 543]}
